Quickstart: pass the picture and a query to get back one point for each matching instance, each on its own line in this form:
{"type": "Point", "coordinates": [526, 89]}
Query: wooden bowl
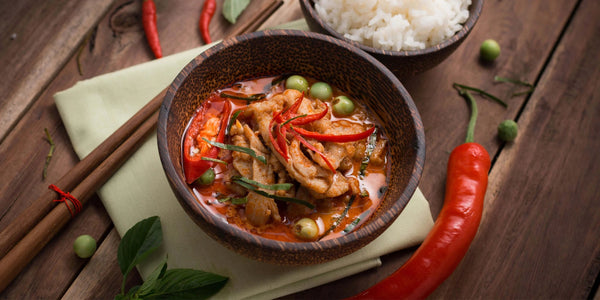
{"type": "Point", "coordinates": [402, 63]}
{"type": "Point", "coordinates": [277, 52]}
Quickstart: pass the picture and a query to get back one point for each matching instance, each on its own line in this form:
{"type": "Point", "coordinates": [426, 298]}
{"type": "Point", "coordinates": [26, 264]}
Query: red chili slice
{"type": "Point", "coordinates": [311, 147]}
{"type": "Point", "coordinates": [338, 138]}
{"type": "Point", "coordinates": [214, 112]}
{"type": "Point", "coordinates": [275, 143]}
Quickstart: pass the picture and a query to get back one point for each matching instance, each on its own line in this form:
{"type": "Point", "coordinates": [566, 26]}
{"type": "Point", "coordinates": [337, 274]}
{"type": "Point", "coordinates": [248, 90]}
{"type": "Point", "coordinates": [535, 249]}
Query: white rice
{"type": "Point", "coordinates": [395, 24]}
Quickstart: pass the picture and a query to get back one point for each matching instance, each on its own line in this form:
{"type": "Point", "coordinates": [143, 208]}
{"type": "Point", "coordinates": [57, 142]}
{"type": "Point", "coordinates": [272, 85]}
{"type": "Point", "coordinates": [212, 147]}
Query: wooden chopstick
{"type": "Point", "coordinates": [43, 204]}
{"type": "Point", "coordinates": [26, 249]}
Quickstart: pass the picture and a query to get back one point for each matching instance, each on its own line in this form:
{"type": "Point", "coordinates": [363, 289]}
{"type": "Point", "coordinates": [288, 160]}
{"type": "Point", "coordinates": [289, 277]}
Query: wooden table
{"type": "Point", "coordinates": [540, 233]}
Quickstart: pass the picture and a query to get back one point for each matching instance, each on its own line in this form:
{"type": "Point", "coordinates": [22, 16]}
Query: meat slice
{"type": "Point", "coordinates": [260, 210]}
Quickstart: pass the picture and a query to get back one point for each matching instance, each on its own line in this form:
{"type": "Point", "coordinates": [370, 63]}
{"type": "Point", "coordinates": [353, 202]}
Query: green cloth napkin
{"type": "Point", "coordinates": [92, 109]}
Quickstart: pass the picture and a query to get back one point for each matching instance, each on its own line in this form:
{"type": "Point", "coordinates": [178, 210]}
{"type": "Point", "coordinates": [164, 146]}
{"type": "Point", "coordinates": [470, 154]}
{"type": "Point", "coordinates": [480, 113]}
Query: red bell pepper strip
{"type": "Point", "coordinates": [454, 229]}
{"type": "Point", "coordinates": [338, 138]}
{"type": "Point", "coordinates": [210, 122]}
{"type": "Point", "coordinates": [149, 22]}
{"type": "Point", "coordinates": [208, 10]}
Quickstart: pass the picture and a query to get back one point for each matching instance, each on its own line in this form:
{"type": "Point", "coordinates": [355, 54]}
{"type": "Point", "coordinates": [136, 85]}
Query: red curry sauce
{"type": "Point", "coordinates": [326, 212]}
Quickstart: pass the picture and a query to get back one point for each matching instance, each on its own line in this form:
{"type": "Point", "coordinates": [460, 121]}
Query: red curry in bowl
{"type": "Point", "coordinates": [286, 160]}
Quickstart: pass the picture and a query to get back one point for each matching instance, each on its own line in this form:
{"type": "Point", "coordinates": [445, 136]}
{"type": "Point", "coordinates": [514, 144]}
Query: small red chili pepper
{"type": "Point", "coordinates": [149, 22]}
{"type": "Point", "coordinates": [454, 229]}
{"type": "Point", "coordinates": [338, 138]}
{"type": "Point", "coordinates": [210, 122]}
{"type": "Point", "coordinates": [208, 10]}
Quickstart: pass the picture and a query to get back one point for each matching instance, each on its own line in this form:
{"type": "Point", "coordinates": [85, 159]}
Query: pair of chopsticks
{"type": "Point", "coordinates": [29, 232]}
{"type": "Point", "coordinates": [28, 236]}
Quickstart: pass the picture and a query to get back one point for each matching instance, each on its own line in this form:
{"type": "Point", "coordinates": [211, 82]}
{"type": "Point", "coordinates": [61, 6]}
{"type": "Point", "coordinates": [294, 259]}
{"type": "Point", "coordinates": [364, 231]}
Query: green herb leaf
{"type": "Point", "coordinates": [371, 142]}
{"type": "Point", "coordinates": [151, 281]}
{"type": "Point", "coordinates": [352, 225]}
{"type": "Point", "coordinates": [461, 87]}
{"type": "Point", "coordinates": [272, 196]}
{"type": "Point", "coordinates": [186, 284]}
{"type": "Point", "coordinates": [232, 121]}
{"type": "Point", "coordinates": [518, 82]}
{"type": "Point", "coordinates": [213, 160]}
{"type": "Point", "coordinates": [339, 220]}
{"type": "Point", "coordinates": [233, 8]}
{"type": "Point", "coordinates": [271, 187]}
{"type": "Point", "coordinates": [292, 119]}
{"type": "Point", "coordinates": [138, 242]}
{"type": "Point", "coordinates": [238, 149]}
{"type": "Point", "coordinates": [254, 97]}
{"type": "Point", "coordinates": [233, 200]}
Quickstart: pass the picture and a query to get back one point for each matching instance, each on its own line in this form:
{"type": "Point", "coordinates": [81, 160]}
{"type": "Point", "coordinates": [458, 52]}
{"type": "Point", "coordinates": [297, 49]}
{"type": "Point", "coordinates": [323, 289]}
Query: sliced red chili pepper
{"type": "Point", "coordinates": [149, 22]}
{"type": "Point", "coordinates": [204, 125]}
{"type": "Point", "coordinates": [311, 147]}
{"type": "Point", "coordinates": [208, 10]}
{"type": "Point", "coordinates": [338, 138]}
{"type": "Point", "coordinates": [275, 143]}
{"type": "Point", "coordinates": [289, 112]}
{"type": "Point", "coordinates": [310, 118]}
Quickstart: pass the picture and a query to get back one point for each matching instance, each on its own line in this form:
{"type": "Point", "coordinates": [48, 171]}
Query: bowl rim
{"type": "Point", "coordinates": [377, 225]}
{"type": "Point", "coordinates": [308, 7]}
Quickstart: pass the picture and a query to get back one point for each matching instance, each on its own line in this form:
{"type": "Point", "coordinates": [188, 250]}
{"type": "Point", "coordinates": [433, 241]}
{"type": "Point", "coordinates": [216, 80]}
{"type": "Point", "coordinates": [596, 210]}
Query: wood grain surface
{"type": "Point", "coordinates": [540, 234]}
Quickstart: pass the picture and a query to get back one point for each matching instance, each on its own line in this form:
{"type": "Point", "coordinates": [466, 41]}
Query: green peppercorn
{"type": "Point", "coordinates": [489, 50]}
{"type": "Point", "coordinates": [507, 130]}
{"type": "Point", "coordinates": [84, 246]}
{"type": "Point", "coordinates": [296, 82]}
{"type": "Point", "coordinates": [321, 90]}
{"type": "Point", "coordinates": [342, 106]}
{"type": "Point", "coordinates": [306, 229]}
{"type": "Point", "coordinates": [207, 178]}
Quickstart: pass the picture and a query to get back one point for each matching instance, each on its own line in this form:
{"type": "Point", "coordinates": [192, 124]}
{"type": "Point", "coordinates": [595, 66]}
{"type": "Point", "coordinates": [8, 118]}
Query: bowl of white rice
{"type": "Point", "coordinates": [408, 36]}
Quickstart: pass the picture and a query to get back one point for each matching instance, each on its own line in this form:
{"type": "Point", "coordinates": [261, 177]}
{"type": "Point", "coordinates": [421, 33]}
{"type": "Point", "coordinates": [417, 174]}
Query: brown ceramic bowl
{"type": "Point", "coordinates": [279, 52]}
{"type": "Point", "coordinates": [402, 63]}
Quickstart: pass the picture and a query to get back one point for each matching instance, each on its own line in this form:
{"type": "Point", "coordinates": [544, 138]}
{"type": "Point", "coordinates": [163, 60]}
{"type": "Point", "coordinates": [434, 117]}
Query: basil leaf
{"type": "Point", "coordinates": [156, 275]}
{"type": "Point", "coordinates": [271, 187]}
{"type": "Point", "coordinates": [233, 8]}
{"type": "Point", "coordinates": [238, 149]}
{"type": "Point", "coordinates": [339, 220]}
{"type": "Point", "coordinates": [139, 242]}
{"type": "Point", "coordinates": [214, 160]}
{"type": "Point", "coordinates": [272, 196]}
{"type": "Point", "coordinates": [232, 120]}
{"type": "Point", "coordinates": [186, 284]}
{"type": "Point", "coordinates": [371, 143]}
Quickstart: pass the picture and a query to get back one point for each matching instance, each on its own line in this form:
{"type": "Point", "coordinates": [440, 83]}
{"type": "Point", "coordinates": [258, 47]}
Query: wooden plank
{"type": "Point", "coordinates": [526, 31]}
{"type": "Point", "coordinates": [539, 236]}
{"type": "Point", "coordinates": [24, 149]}
{"type": "Point", "coordinates": [36, 39]}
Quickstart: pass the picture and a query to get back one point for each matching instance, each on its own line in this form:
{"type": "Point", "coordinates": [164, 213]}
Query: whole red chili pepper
{"type": "Point", "coordinates": [149, 22]}
{"type": "Point", "coordinates": [454, 229]}
{"type": "Point", "coordinates": [208, 10]}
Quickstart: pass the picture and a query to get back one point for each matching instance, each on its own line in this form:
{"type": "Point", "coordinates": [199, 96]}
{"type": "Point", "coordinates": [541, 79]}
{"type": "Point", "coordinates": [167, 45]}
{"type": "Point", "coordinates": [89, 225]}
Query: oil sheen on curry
{"type": "Point", "coordinates": [287, 158]}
